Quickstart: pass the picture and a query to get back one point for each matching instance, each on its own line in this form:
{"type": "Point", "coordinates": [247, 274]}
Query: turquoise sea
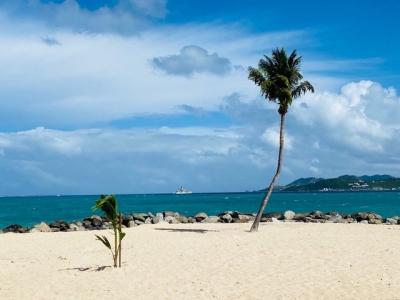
{"type": "Point", "coordinates": [28, 211]}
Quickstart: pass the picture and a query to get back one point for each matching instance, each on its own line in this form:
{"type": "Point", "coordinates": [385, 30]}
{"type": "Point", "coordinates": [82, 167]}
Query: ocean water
{"type": "Point", "coordinates": [28, 211]}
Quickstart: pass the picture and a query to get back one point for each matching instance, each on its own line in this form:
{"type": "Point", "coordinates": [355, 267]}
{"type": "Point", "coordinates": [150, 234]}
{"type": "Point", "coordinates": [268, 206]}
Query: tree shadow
{"type": "Point", "coordinates": [186, 230]}
{"type": "Point", "coordinates": [90, 269]}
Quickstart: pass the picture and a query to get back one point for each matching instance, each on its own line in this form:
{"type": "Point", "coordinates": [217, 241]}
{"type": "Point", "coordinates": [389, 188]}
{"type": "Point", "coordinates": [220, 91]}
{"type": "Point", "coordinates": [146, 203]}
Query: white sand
{"type": "Point", "coordinates": [281, 261]}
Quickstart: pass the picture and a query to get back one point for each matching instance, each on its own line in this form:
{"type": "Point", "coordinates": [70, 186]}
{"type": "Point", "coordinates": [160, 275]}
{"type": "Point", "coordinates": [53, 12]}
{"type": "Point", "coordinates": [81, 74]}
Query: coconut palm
{"type": "Point", "coordinates": [280, 81]}
{"type": "Point", "coordinates": [109, 206]}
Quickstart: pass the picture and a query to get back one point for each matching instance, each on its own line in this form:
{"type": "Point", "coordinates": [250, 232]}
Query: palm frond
{"type": "Point", "coordinates": [302, 88]}
{"type": "Point", "coordinates": [104, 240]}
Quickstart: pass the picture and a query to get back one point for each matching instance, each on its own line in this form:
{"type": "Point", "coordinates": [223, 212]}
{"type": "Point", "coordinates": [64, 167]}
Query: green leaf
{"type": "Point", "coordinates": [104, 240]}
{"type": "Point", "coordinates": [121, 235]}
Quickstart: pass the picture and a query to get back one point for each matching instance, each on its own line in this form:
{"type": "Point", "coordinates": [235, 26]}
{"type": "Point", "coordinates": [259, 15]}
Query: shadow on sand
{"type": "Point", "coordinates": [91, 269]}
{"type": "Point", "coordinates": [186, 230]}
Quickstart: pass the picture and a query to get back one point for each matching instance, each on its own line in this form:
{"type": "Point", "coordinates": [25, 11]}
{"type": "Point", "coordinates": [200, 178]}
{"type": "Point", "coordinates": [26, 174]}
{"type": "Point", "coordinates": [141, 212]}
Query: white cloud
{"type": "Point", "coordinates": [193, 59]}
{"type": "Point", "coordinates": [138, 160]}
{"type": "Point", "coordinates": [352, 117]}
{"type": "Point", "coordinates": [271, 136]}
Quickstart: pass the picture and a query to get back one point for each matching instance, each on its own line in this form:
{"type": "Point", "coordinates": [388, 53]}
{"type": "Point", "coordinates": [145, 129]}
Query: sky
{"type": "Point", "coordinates": [145, 96]}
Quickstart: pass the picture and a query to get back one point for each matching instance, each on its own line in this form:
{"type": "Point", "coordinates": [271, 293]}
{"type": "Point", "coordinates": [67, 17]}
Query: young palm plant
{"type": "Point", "coordinates": [280, 81]}
{"type": "Point", "coordinates": [109, 205]}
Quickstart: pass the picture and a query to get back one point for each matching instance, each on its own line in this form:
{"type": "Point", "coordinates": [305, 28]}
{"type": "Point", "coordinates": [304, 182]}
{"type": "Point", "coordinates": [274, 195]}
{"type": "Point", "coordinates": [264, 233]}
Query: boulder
{"type": "Point", "coordinates": [148, 221]}
{"type": "Point", "coordinates": [289, 215]}
{"type": "Point", "coordinates": [159, 217]}
{"type": "Point", "coordinates": [132, 224]}
{"type": "Point", "coordinates": [191, 220]}
{"type": "Point", "coordinates": [211, 219]}
{"type": "Point", "coordinates": [16, 228]}
{"type": "Point", "coordinates": [275, 220]}
{"type": "Point", "coordinates": [375, 221]}
{"type": "Point", "coordinates": [226, 218]}
{"type": "Point", "coordinates": [265, 219]}
{"type": "Point", "coordinates": [137, 222]}
{"type": "Point", "coordinates": [299, 217]}
{"type": "Point", "coordinates": [391, 221]}
{"type": "Point", "coordinates": [140, 217]}
{"type": "Point", "coordinates": [335, 217]}
{"type": "Point", "coordinates": [76, 227]}
{"type": "Point", "coordinates": [60, 225]}
{"type": "Point", "coordinates": [168, 214]}
{"type": "Point", "coordinates": [363, 222]}
{"type": "Point", "coordinates": [42, 227]}
{"type": "Point", "coordinates": [276, 215]}
{"type": "Point", "coordinates": [241, 219]}
{"type": "Point", "coordinates": [182, 219]}
{"type": "Point", "coordinates": [360, 216]}
{"type": "Point", "coordinates": [171, 220]}
{"type": "Point", "coordinates": [316, 214]}
{"type": "Point", "coordinates": [200, 216]}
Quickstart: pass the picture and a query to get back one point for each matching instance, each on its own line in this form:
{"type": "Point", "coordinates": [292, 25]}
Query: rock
{"type": "Point", "coordinates": [150, 215]}
{"type": "Point", "coordinates": [299, 217]}
{"type": "Point", "coordinates": [226, 218]}
{"type": "Point", "coordinates": [316, 214]}
{"type": "Point", "coordinates": [137, 222]}
{"type": "Point", "coordinates": [171, 220]}
{"type": "Point", "coordinates": [42, 227]}
{"type": "Point", "coordinates": [241, 219]}
{"type": "Point", "coordinates": [235, 214]}
{"type": "Point", "coordinates": [211, 219]}
{"type": "Point", "coordinates": [60, 225]}
{"type": "Point", "coordinates": [76, 227]}
{"type": "Point", "coordinates": [16, 228]}
{"type": "Point", "coordinates": [182, 219]}
{"type": "Point", "coordinates": [265, 219]}
{"type": "Point", "coordinates": [275, 220]}
{"type": "Point", "coordinates": [169, 214]}
{"type": "Point", "coordinates": [360, 216]}
{"type": "Point", "coordinates": [139, 217]}
{"type": "Point", "coordinates": [391, 221]}
{"type": "Point", "coordinates": [375, 221]}
{"type": "Point", "coordinates": [276, 215]}
{"type": "Point", "coordinates": [335, 217]}
{"type": "Point", "coordinates": [132, 224]}
{"type": "Point", "coordinates": [229, 212]}
{"type": "Point", "coordinates": [200, 216]}
{"type": "Point", "coordinates": [363, 222]}
{"type": "Point", "coordinates": [148, 221]}
{"type": "Point", "coordinates": [289, 215]}
{"type": "Point", "coordinates": [159, 217]}
{"type": "Point", "coordinates": [191, 220]}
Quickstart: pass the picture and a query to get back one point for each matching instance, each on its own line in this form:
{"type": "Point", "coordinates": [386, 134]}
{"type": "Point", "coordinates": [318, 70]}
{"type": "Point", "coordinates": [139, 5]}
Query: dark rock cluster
{"type": "Point", "coordinates": [135, 219]}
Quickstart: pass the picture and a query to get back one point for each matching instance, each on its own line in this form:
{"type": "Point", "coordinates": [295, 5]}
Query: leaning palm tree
{"type": "Point", "coordinates": [280, 81]}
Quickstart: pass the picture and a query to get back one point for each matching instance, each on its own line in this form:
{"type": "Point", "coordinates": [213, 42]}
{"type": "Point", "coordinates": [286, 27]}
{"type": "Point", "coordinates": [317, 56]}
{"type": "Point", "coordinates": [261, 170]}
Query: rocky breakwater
{"type": "Point", "coordinates": [169, 217]}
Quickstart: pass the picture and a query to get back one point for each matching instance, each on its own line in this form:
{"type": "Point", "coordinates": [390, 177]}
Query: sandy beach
{"type": "Point", "coordinates": [207, 261]}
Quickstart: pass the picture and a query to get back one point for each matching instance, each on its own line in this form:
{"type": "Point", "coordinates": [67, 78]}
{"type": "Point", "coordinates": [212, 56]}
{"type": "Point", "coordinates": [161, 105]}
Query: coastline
{"type": "Point", "coordinates": [96, 222]}
{"type": "Point", "coordinates": [207, 261]}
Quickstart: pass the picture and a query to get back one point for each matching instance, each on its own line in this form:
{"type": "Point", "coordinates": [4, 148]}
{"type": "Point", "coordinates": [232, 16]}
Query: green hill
{"type": "Point", "coordinates": [344, 183]}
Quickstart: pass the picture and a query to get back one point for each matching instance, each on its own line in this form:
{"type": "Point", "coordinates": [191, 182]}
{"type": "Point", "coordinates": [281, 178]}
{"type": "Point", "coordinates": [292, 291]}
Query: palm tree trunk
{"type": "Point", "coordinates": [115, 246]}
{"type": "Point", "coordinates": [120, 239]}
{"type": "Point", "coordinates": [257, 220]}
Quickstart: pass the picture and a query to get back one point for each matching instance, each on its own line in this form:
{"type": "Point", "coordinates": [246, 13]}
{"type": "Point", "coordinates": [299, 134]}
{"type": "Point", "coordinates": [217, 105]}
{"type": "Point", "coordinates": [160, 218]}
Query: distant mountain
{"type": "Point", "coordinates": [304, 181]}
{"type": "Point", "coordinates": [344, 183]}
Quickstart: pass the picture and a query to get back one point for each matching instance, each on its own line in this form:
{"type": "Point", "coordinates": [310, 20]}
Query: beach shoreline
{"type": "Point", "coordinates": [207, 261]}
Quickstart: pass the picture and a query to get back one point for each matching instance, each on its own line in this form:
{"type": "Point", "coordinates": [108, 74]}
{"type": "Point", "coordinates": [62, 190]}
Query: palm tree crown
{"type": "Point", "coordinates": [280, 79]}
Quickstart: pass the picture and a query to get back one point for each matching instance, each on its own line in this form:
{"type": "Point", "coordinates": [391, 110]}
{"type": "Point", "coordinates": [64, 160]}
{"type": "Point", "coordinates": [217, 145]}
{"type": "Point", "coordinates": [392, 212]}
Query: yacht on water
{"type": "Point", "coordinates": [183, 191]}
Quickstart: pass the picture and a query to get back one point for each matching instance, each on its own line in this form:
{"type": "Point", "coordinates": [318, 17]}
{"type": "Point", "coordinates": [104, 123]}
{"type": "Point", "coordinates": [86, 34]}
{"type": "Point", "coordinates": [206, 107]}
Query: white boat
{"type": "Point", "coordinates": [183, 191]}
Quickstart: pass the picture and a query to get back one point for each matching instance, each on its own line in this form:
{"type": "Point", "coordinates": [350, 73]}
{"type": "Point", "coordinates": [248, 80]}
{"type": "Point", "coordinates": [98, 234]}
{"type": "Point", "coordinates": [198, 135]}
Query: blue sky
{"type": "Point", "coordinates": [136, 96]}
